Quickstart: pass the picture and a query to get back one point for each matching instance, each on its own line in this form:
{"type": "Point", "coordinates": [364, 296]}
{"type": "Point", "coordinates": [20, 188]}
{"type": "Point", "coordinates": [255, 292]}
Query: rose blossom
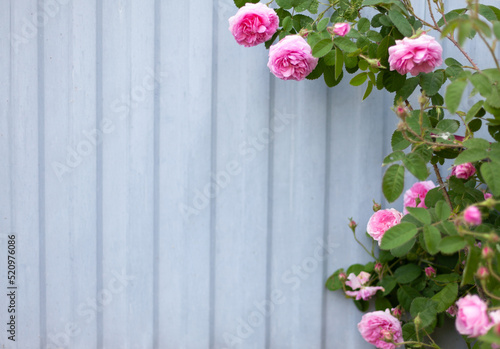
{"type": "Point", "coordinates": [430, 272]}
{"type": "Point", "coordinates": [381, 221]}
{"type": "Point", "coordinates": [291, 58]}
{"type": "Point", "coordinates": [472, 317]}
{"type": "Point", "coordinates": [463, 171]}
{"type": "Point", "coordinates": [419, 55]}
{"type": "Point", "coordinates": [358, 282]}
{"type": "Point", "coordinates": [472, 215]}
{"type": "Point", "coordinates": [341, 29]}
{"type": "Point", "coordinates": [378, 326]}
{"type": "Point", "coordinates": [418, 190]}
{"type": "Point", "coordinates": [253, 24]}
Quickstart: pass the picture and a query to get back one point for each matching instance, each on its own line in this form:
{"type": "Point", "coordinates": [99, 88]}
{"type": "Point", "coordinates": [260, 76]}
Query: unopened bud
{"type": "Point", "coordinates": [304, 32]}
{"type": "Point", "coordinates": [376, 206]}
{"type": "Point", "coordinates": [422, 100]}
{"type": "Point", "coordinates": [352, 224]}
{"type": "Point", "coordinates": [487, 253]}
{"type": "Point", "coordinates": [482, 273]}
{"type": "Point", "coordinates": [452, 310]}
{"type": "Point", "coordinates": [342, 277]}
{"type": "Point", "coordinates": [378, 267]}
{"type": "Point", "coordinates": [396, 312]}
{"type": "Point", "coordinates": [493, 238]}
{"type": "Point", "coordinates": [430, 272]}
{"type": "Point", "coordinates": [401, 111]}
{"type": "Point", "coordinates": [418, 321]}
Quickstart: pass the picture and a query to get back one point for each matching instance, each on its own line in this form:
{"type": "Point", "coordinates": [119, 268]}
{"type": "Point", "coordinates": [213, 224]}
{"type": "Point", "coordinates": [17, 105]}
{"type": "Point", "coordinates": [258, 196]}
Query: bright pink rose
{"type": "Point", "coordinates": [291, 58]}
{"type": "Point", "coordinates": [463, 171]}
{"type": "Point", "coordinates": [472, 215]}
{"type": "Point", "coordinates": [430, 272]}
{"type": "Point", "coordinates": [487, 196]}
{"type": "Point", "coordinates": [472, 316]}
{"type": "Point", "coordinates": [420, 55]}
{"type": "Point", "coordinates": [418, 190]}
{"type": "Point", "coordinates": [253, 24]}
{"type": "Point", "coordinates": [381, 221]}
{"type": "Point", "coordinates": [341, 29]}
{"type": "Point", "coordinates": [378, 326]}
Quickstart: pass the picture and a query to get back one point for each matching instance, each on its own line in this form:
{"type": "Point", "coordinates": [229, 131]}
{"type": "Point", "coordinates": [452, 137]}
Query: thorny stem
{"type": "Point", "coordinates": [423, 141]}
{"type": "Point", "coordinates": [441, 184]}
{"type": "Point", "coordinates": [492, 51]}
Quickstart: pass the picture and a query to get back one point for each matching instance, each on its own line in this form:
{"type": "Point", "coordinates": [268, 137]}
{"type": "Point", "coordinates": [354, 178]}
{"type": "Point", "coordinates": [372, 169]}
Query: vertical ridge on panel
{"type": "Point", "coordinates": [140, 174]}
{"type": "Point", "coordinates": [116, 230]}
{"type": "Point", "coordinates": [24, 171]}
{"type": "Point", "coordinates": [62, 156]}
{"type": "Point", "coordinates": [82, 183]}
{"type": "Point", "coordinates": [356, 155]}
{"type": "Point", "coordinates": [239, 188]}
{"type": "Point", "coordinates": [185, 166]}
{"type": "Point", "coordinates": [298, 209]}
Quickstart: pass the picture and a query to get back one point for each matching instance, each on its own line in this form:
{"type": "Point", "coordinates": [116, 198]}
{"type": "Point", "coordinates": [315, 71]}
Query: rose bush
{"type": "Point", "coordinates": [441, 259]}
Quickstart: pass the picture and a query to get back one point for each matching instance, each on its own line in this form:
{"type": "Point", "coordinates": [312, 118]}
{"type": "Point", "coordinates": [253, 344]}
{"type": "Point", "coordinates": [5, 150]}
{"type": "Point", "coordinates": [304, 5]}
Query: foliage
{"type": "Point", "coordinates": [431, 259]}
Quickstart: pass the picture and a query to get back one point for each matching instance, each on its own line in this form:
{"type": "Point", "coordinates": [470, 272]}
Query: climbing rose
{"type": "Point", "coordinates": [358, 283]}
{"type": "Point", "coordinates": [419, 55]}
{"type": "Point", "coordinates": [472, 316]}
{"type": "Point", "coordinates": [291, 58]}
{"type": "Point", "coordinates": [418, 190]}
{"type": "Point", "coordinates": [381, 221]}
{"type": "Point", "coordinates": [253, 24]}
{"type": "Point", "coordinates": [379, 326]}
{"type": "Point", "coordinates": [472, 215]}
{"type": "Point", "coordinates": [341, 29]}
{"type": "Point", "coordinates": [463, 171]}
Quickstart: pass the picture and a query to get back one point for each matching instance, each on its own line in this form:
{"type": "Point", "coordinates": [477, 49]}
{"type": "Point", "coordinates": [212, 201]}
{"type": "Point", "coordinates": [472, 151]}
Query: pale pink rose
{"type": "Point", "coordinates": [472, 316]}
{"type": "Point", "coordinates": [495, 317]}
{"type": "Point", "coordinates": [463, 171]}
{"type": "Point", "coordinates": [418, 190]}
{"type": "Point", "coordinates": [381, 221]}
{"type": "Point", "coordinates": [419, 55]}
{"type": "Point", "coordinates": [341, 29]}
{"type": "Point", "coordinates": [253, 24]}
{"type": "Point", "coordinates": [472, 215]}
{"type": "Point", "coordinates": [378, 326]}
{"type": "Point", "coordinates": [291, 58]}
{"type": "Point", "coordinates": [360, 291]}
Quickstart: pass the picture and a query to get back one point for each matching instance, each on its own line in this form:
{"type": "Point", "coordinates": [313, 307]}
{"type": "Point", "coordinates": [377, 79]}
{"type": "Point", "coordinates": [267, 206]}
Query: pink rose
{"type": "Point", "coordinates": [472, 215]}
{"type": "Point", "coordinates": [379, 326]}
{"type": "Point", "coordinates": [418, 190]}
{"type": "Point", "coordinates": [358, 283]}
{"type": "Point", "coordinates": [472, 317]}
{"type": "Point", "coordinates": [291, 58]}
{"type": "Point", "coordinates": [253, 24]}
{"type": "Point", "coordinates": [381, 221]}
{"type": "Point", "coordinates": [419, 55]}
{"type": "Point", "coordinates": [430, 272]}
{"type": "Point", "coordinates": [463, 171]}
{"type": "Point", "coordinates": [487, 196]}
{"type": "Point", "coordinates": [341, 29]}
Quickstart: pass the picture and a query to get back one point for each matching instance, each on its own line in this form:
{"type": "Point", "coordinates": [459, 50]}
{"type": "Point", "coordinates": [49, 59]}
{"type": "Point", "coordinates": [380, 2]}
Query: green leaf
{"type": "Point", "coordinates": [393, 157]}
{"type": "Point", "coordinates": [479, 143]}
{"type": "Point", "coordinates": [490, 172]}
{"type": "Point", "coordinates": [369, 89]}
{"type": "Point", "coordinates": [388, 283]}
{"type": "Point", "coordinates": [398, 235]}
{"type": "Point", "coordinates": [416, 165]}
{"type": "Point", "coordinates": [420, 213]}
{"type": "Point", "coordinates": [442, 210]}
{"type": "Point", "coordinates": [447, 278]}
{"type": "Point", "coordinates": [471, 266]}
{"type": "Point", "coordinates": [448, 228]}
{"type": "Point", "coordinates": [451, 61]}
{"type": "Point", "coordinates": [452, 244]}
{"type": "Point", "coordinates": [330, 78]}
{"type": "Point", "coordinates": [359, 79]}
{"type": "Point", "coordinates": [447, 125]}
{"type": "Point", "coordinates": [339, 61]}
{"type": "Point", "coordinates": [398, 142]}
{"type": "Point", "coordinates": [355, 269]}
{"type": "Point", "coordinates": [471, 155]}
{"type": "Point", "coordinates": [482, 83]}
{"type": "Point", "coordinates": [487, 13]}
{"type": "Point", "coordinates": [393, 182]}
{"type": "Point", "coordinates": [473, 111]}
{"type": "Point", "coordinates": [318, 71]}
{"type": "Point", "coordinates": [453, 94]}
{"type": "Point", "coordinates": [433, 196]}
{"type": "Point", "coordinates": [241, 3]}
{"type": "Point", "coordinates": [432, 82]}
{"type": "Point", "coordinates": [401, 23]}
{"type": "Point", "coordinates": [287, 24]}
{"type": "Point", "coordinates": [496, 29]}
{"type": "Point", "coordinates": [407, 273]}
{"type": "Point", "coordinates": [393, 81]}
{"type": "Point", "coordinates": [363, 25]}
{"type": "Point", "coordinates": [446, 297]}
{"type": "Point", "coordinates": [403, 250]}
{"type": "Point", "coordinates": [322, 48]}
{"type": "Point", "coordinates": [405, 92]}
{"type": "Point", "coordinates": [322, 24]}
{"type": "Point", "coordinates": [406, 295]}
{"type": "Point", "coordinates": [333, 283]}
{"type": "Point", "coordinates": [382, 303]}
{"type": "Point", "coordinates": [425, 309]}
{"type": "Point", "coordinates": [432, 237]}
{"type": "Point", "coordinates": [345, 44]}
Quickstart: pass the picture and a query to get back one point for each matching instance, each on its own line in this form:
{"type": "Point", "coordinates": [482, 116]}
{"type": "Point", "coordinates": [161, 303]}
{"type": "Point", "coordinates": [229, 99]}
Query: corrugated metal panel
{"type": "Point", "coordinates": [166, 191]}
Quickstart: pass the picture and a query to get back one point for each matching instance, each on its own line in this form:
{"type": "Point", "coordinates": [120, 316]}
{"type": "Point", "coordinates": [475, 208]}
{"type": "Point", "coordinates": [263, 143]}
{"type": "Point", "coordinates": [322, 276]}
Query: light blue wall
{"type": "Point", "coordinates": [117, 117]}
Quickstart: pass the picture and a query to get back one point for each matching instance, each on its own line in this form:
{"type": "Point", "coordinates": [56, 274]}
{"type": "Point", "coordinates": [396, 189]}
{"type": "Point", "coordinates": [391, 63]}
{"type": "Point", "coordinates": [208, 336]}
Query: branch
{"type": "Point", "coordinates": [443, 188]}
